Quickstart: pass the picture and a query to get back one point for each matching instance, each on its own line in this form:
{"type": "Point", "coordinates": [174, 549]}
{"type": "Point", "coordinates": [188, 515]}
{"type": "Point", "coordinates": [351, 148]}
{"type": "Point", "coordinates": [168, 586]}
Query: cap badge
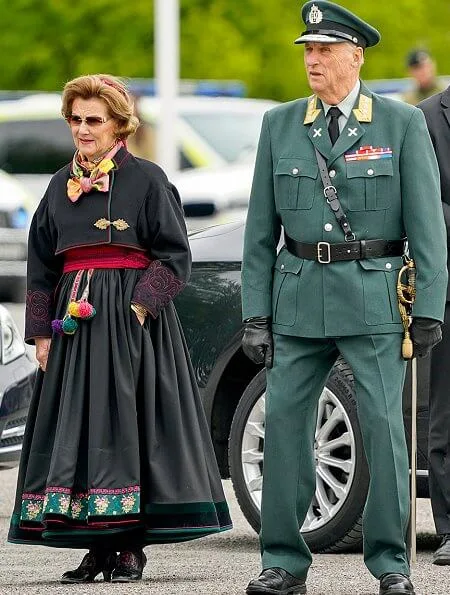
{"type": "Point", "coordinates": [315, 14]}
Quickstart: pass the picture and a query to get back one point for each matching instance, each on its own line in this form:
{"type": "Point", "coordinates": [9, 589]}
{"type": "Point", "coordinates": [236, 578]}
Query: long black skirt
{"type": "Point", "coordinates": [117, 450]}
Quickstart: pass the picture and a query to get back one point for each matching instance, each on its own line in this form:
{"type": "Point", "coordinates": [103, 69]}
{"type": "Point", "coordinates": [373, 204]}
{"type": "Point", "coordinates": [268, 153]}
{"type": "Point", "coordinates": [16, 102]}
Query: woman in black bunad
{"type": "Point", "coordinates": [117, 453]}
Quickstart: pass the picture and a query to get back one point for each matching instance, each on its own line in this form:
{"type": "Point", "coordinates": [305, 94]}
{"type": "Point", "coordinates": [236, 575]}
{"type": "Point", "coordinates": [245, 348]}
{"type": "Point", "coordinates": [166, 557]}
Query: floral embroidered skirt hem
{"type": "Point", "coordinates": [117, 449]}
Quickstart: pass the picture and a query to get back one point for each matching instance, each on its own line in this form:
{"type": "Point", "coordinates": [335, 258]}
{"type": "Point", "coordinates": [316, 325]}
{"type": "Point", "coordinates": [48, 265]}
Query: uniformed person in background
{"type": "Point", "coordinates": [437, 114]}
{"type": "Point", "coordinates": [422, 70]}
{"type": "Point", "coordinates": [331, 289]}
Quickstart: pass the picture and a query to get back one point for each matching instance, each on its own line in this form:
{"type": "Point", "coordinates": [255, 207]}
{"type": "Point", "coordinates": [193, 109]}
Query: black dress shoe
{"type": "Point", "coordinates": [441, 556]}
{"type": "Point", "coordinates": [93, 563]}
{"type": "Point", "coordinates": [396, 584]}
{"type": "Point", "coordinates": [277, 581]}
{"type": "Point", "coordinates": [129, 567]}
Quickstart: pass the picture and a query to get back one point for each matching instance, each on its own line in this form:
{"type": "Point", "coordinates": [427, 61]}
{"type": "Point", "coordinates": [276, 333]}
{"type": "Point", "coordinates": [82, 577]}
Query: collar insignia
{"type": "Point", "coordinates": [315, 14]}
{"type": "Point", "coordinates": [312, 111]}
{"type": "Point", "coordinates": [363, 112]}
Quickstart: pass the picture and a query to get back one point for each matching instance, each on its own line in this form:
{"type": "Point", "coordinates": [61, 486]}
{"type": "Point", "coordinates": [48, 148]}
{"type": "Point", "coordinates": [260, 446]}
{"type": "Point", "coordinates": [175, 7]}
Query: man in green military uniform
{"type": "Point", "coordinates": [332, 288]}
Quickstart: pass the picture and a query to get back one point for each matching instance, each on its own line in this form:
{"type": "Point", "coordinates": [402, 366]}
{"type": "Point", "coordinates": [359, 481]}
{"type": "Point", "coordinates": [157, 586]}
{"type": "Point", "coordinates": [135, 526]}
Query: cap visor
{"type": "Point", "coordinates": [318, 38]}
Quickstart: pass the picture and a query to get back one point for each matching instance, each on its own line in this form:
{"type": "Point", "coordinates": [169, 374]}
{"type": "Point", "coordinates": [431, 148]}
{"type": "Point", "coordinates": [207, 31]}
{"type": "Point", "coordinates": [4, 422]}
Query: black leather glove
{"type": "Point", "coordinates": [257, 341]}
{"type": "Point", "coordinates": [425, 334]}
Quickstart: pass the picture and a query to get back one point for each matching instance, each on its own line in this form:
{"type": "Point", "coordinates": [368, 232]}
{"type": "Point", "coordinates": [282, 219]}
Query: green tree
{"type": "Point", "coordinates": [43, 44]}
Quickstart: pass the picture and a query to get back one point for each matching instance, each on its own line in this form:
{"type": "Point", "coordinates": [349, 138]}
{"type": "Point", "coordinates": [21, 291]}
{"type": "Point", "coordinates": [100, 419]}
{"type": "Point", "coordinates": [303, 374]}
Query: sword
{"type": "Point", "coordinates": [413, 513]}
{"type": "Point", "coordinates": [406, 295]}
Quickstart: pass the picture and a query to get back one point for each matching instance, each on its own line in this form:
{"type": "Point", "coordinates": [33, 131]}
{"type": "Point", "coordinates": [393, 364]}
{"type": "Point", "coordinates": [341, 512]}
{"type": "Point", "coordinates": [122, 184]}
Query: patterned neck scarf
{"type": "Point", "coordinates": [98, 178]}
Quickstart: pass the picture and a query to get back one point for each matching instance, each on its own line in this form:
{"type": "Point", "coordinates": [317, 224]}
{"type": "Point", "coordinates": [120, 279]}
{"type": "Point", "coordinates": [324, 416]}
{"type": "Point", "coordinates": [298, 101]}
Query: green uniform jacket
{"type": "Point", "coordinates": [388, 198]}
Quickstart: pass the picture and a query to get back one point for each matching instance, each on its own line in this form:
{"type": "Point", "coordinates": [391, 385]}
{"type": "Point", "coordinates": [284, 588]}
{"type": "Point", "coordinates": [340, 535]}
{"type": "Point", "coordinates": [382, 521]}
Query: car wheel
{"type": "Point", "coordinates": [333, 522]}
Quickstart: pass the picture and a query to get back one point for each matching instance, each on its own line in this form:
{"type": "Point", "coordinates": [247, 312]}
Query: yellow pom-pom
{"type": "Point", "coordinates": [73, 308]}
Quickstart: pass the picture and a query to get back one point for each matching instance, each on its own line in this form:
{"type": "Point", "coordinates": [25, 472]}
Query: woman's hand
{"type": "Point", "coordinates": [42, 349]}
{"type": "Point", "coordinates": [140, 312]}
{"type": "Point", "coordinates": [140, 318]}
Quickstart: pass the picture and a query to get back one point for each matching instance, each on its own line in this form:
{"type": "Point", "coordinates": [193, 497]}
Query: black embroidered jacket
{"type": "Point", "coordinates": [141, 210]}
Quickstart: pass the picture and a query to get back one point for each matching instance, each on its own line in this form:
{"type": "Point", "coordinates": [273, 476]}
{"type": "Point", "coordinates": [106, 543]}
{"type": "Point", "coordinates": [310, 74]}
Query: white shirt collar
{"type": "Point", "coordinates": [347, 104]}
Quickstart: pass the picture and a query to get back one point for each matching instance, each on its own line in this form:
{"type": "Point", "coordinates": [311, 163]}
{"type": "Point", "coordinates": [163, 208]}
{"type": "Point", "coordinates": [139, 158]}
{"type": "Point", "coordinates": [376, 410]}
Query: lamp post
{"type": "Point", "coordinates": [167, 69]}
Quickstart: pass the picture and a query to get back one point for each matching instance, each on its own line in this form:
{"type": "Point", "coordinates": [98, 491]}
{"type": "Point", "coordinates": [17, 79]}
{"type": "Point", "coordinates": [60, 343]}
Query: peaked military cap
{"type": "Point", "coordinates": [327, 22]}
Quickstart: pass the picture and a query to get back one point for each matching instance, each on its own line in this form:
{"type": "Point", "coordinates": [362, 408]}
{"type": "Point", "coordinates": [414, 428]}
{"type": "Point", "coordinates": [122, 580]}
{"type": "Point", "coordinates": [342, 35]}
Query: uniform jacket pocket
{"type": "Point", "coordinates": [295, 181]}
{"type": "Point", "coordinates": [369, 184]}
{"type": "Point", "coordinates": [285, 288]}
{"type": "Point", "coordinates": [379, 281]}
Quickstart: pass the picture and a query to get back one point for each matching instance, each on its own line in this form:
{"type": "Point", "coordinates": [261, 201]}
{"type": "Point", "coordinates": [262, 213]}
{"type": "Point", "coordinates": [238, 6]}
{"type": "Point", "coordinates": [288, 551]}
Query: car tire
{"type": "Point", "coordinates": [342, 531]}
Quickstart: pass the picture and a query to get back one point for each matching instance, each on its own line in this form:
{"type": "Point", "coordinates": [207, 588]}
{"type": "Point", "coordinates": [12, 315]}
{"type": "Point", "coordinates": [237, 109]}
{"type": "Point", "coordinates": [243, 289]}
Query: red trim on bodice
{"type": "Point", "coordinates": [104, 257]}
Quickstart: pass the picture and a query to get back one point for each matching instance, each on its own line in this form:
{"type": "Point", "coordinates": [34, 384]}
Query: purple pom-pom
{"type": "Point", "coordinates": [57, 326]}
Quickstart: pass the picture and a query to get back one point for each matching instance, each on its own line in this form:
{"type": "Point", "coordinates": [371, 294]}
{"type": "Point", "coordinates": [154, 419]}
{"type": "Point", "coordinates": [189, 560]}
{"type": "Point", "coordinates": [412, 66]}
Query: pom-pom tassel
{"type": "Point", "coordinates": [69, 325]}
{"type": "Point", "coordinates": [66, 326]}
{"type": "Point", "coordinates": [81, 309]}
{"type": "Point", "coordinates": [57, 326]}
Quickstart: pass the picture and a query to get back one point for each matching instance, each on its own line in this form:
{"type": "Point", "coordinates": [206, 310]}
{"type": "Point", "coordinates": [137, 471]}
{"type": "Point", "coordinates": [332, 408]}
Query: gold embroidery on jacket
{"type": "Point", "coordinates": [312, 111]}
{"type": "Point", "coordinates": [119, 224]}
{"type": "Point", "coordinates": [363, 112]}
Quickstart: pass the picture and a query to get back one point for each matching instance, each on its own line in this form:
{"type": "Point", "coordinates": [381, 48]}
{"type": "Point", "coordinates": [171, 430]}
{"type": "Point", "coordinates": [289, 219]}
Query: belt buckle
{"type": "Point", "coordinates": [323, 246]}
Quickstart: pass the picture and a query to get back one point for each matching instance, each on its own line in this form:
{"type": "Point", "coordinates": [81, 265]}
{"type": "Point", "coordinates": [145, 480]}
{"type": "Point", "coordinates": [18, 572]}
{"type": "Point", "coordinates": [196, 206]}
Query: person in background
{"type": "Point", "coordinates": [437, 114]}
{"type": "Point", "coordinates": [348, 177]}
{"type": "Point", "coordinates": [422, 69]}
{"type": "Point", "coordinates": [116, 453]}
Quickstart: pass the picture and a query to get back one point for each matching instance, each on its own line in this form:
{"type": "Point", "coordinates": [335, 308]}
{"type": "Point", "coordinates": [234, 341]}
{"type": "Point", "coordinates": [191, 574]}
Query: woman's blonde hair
{"type": "Point", "coordinates": [112, 91]}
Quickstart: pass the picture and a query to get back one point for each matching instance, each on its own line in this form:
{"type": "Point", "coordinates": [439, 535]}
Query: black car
{"type": "Point", "coordinates": [17, 375]}
{"type": "Point", "coordinates": [233, 393]}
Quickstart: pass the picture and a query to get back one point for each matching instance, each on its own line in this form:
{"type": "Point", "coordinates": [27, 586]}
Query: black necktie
{"type": "Point", "coordinates": [333, 126]}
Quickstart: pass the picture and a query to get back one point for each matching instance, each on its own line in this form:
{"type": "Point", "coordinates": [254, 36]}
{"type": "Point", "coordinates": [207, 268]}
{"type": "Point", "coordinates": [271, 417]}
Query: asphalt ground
{"type": "Point", "coordinates": [216, 565]}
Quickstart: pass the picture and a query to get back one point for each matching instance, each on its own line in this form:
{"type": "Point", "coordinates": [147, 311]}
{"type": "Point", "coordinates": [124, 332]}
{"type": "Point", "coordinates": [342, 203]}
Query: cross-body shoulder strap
{"type": "Point", "coordinates": [330, 193]}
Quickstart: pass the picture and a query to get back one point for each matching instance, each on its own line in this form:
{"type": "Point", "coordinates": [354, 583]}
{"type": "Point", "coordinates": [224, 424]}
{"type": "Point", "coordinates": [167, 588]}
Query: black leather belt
{"type": "Point", "coordinates": [324, 252]}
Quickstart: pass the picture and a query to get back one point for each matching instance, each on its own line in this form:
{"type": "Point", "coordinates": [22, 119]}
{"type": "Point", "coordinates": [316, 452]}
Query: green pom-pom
{"type": "Point", "coordinates": [92, 314]}
{"type": "Point", "coordinates": [69, 326]}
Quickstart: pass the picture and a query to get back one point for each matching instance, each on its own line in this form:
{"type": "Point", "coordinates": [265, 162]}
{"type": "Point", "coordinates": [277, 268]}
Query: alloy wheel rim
{"type": "Point", "coordinates": [334, 452]}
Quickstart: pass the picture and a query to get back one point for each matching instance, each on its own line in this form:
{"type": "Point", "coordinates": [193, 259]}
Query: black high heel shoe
{"type": "Point", "coordinates": [129, 567]}
{"type": "Point", "coordinates": [93, 563]}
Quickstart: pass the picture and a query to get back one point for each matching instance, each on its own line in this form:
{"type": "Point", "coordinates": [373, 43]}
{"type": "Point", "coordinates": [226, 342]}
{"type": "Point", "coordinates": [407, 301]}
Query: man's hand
{"type": "Point", "coordinates": [425, 334]}
{"type": "Point", "coordinates": [42, 349]}
{"type": "Point", "coordinates": [257, 341]}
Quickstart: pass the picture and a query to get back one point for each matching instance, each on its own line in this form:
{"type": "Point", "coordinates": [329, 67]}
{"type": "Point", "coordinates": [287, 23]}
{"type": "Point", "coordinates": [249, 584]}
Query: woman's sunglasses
{"type": "Point", "coordinates": [90, 121]}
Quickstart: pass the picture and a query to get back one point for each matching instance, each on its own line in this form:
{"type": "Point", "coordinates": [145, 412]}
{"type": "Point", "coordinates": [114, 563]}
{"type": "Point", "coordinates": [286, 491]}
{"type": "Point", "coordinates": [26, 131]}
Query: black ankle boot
{"type": "Point", "coordinates": [129, 566]}
{"type": "Point", "coordinates": [93, 563]}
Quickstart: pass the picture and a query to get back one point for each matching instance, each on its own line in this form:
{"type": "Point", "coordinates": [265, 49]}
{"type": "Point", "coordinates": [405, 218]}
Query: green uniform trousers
{"type": "Point", "coordinates": [294, 384]}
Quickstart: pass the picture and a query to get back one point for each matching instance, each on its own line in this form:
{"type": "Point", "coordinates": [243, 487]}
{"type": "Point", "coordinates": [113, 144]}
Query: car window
{"type": "Point", "coordinates": [231, 134]}
{"type": "Point", "coordinates": [44, 146]}
{"type": "Point", "coordinates": [35, 146]}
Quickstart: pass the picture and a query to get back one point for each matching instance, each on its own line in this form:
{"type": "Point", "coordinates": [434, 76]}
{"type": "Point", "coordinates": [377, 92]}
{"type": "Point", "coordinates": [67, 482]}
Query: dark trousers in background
{"type": "Point", "coordinates": [439, 432]}
{"type": "Point", "coordinates": [294, 384]}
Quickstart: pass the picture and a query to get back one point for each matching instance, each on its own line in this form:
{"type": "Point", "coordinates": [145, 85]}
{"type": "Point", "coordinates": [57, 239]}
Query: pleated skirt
{"type": "Point", "coordinates": [117, 449]}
